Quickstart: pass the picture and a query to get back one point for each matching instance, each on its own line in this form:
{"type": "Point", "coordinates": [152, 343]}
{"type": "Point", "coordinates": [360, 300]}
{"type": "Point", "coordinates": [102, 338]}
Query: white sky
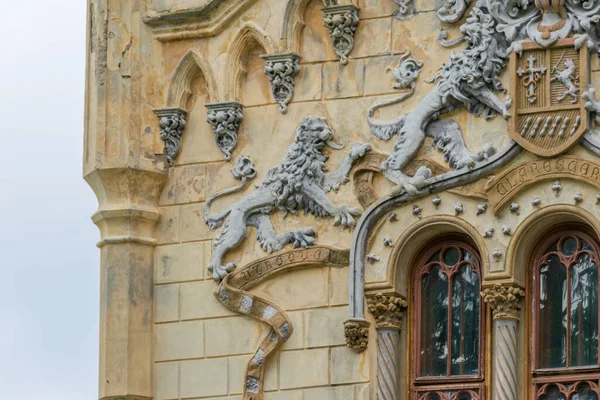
{"type": "Point", "coordinates": [49, 265]}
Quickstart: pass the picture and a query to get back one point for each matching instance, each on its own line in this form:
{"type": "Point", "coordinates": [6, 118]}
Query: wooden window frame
{"type": "Point", "coordinates": [541, 378]}
{"type": "Point", "coordinates": [421, 385]}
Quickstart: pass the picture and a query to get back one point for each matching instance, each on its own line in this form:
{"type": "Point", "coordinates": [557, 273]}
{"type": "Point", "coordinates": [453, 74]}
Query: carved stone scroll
{"type": "Point", "coordinates": [504, 300]}
{"type": "Point", "coordinates": [453, 10]}
{"type": "Point", "coordinates": [406, 9]}
{"type": "Point", "coordinates": [281, 69]}
{"type": "Point", "coordinates": [233, 293]}
{"type": "Point", "coordinates": [172, 124]}
{"type": "Point", "coordinates": [506, 186]}
{"type": "Point", "coordinates": [225, 120]}
{"type": "Point", "coordinates": [341, 20]}
{"type": "Point", "coordinates": [387, 310]}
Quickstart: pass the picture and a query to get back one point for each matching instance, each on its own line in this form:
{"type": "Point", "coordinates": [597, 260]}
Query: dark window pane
{"type": "Point", "coordinates": [434, 396]}
{"type": "Point", "coordinates": [584, 392]}
{"type": "Point", "coordinates": [553, 314]}
{"type": "Point", "coordinates": [553, 393]}
{"type": "Point", "coordinates": [464, 396]}
{"type": "Point", "coordinates": [569, 246]}
{"type": "Point", "coordinates": [451, 256]}
{"type": "Point", "coordinates": [465, 322]}
{"type": "Point", "coordinates": [434, 323]}
{"type": "Point", "coordinates": [584, 312]}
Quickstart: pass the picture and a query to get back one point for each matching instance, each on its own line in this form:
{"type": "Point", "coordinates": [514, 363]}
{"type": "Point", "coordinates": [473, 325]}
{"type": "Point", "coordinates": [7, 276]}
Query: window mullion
{"type": "Point", "coordinates": [568, 327]}
{"type": "Point", "coordinates": [450, 295]}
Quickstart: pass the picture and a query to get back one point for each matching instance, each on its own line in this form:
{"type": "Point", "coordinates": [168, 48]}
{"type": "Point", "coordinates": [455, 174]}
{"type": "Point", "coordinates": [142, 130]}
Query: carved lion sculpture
{"type": "Point", "coordinates": [469, 80]}
{"type": "Point", "coordinates": [300, 182]}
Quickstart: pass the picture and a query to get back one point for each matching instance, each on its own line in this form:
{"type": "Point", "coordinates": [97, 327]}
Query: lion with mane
{"type": "Point", "coordinates": [469, 79]}
{"type": "Point", "coordinates": [299, 182]}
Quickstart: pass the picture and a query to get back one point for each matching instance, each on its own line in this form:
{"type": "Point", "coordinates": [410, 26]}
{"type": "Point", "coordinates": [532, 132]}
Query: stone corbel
{"type": "Point", "coordinates": [388, 310]}
{"type": "Point", "coordinates": [341, 20]}
{"type": "Point", "coordinates": [172, 124]}
{"type": "Point", "coordinates": [356, 331]}
{"type": "Point", "coordinates": [225, 119]}
{"type": "Point", "coordinates": [281, 69]}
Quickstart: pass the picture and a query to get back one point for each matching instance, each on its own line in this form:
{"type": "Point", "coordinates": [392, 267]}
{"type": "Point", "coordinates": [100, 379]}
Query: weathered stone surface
{"type": "Point", "coordinates": [166, 303]}
{"type": "Point", "coordinates": [203, 378]}
{"type": "Point", "coordinates": [179, 340]}
{"type": "Point", "coordinates": [303, 368]}
{"type": "Point", "coordinates": [179, 263]}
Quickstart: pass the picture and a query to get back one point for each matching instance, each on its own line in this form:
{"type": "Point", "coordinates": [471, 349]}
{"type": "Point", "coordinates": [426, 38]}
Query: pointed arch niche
{"type": "Point", "coordinates": [192, 86]}
{"type": "Point", "coordinates": [303, 31]}
{"type": "Point", "coordinates": [246, 81]}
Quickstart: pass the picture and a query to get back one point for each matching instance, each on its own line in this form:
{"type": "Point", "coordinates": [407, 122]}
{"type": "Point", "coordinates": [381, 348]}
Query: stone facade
{"type": "Point", "coordinates": [181, 93]}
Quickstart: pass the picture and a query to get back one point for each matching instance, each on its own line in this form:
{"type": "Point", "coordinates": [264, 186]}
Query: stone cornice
{"type": "Point", "coordinates": [504, 300]}
{"type": "Point", "coordinates": [387, 310]}
{"type": "Point", "coordinates": [205, 21]}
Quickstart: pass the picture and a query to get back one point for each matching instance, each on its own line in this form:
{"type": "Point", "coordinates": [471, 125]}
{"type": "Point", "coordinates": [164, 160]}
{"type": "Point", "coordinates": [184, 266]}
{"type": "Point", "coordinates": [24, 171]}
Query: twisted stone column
{"type": "Point", "coordinates": [504, 301]}
{"type": "Point", "coordinates": [387, 310]}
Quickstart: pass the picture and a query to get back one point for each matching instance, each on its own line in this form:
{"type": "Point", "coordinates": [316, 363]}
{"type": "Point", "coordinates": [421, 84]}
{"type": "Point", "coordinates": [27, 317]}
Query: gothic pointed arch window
{"type": "Point", "coordinates": [564, 335]}
{"type": "Point", "coordinates": [448, 324]}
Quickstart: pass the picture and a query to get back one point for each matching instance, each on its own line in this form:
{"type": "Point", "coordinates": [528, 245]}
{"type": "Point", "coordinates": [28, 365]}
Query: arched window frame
{"type": "Point", "coordinates": [569, 379]}
{"type": "Point", "coordinates": [421, 387]}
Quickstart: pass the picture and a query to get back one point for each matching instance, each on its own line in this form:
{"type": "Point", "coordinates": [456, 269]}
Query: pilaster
{"type": "Point", "coordinates": [122, 167]}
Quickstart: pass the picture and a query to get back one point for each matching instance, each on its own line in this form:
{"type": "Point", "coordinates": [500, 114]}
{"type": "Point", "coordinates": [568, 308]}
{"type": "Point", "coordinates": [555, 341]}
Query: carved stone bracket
{"type": "Point", "coordinates": [357, 334]}
{"type": "Point", "coordinates": [225, 119]}
{"type": "Point", "coordinates": [504, 300]}
{"type": "Point", "coordinates": [172, 125]}
{"type": "Point", "coordinates": [281, 69]}
{"type": "Point", "coordinates": [387, 310]}
{"type": "Point", "coordinates": [341, 20]}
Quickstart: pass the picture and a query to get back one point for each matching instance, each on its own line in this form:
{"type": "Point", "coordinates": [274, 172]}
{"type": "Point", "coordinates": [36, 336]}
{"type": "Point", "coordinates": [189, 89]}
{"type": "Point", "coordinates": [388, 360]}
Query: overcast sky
{"type": "Point", "coordinates": [49, 263]}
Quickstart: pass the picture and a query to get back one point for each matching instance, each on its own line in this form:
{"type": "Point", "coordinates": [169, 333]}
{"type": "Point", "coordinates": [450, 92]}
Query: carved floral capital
{"type": "Point", "coordinates": [357, 334]}
{"type": "Point", "coordinates": [225, 119]}
{"type": "Point", "coordinates": [341, 21]}
{"type": "Point", "coordinates": [504, 300]}
{"type": "Point", "coordinates": [172, 124]}
{"type": "Point", "coordinates": [387, 310]}
{"type": "Point", "coordinates": [281, 69]}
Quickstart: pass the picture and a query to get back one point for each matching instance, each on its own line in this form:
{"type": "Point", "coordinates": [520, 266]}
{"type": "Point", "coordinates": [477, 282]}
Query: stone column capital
{"type": "Point", "coordinates": [504, 300]}
{"type": "Point", "coordinates": [387, 310]}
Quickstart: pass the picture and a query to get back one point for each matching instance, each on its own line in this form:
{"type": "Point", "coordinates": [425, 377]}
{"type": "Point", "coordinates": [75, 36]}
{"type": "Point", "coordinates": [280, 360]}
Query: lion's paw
{"type": "Point", "coordinates": [304, 237]}
{"type": "Point", "coordinates": [345, 216]}
{"type": "Point", "coordinates": [359, 150]}
{"type": "Point", "coordinates": [220, 271]}
{"type": "Point", "coordinates": [271, 245]}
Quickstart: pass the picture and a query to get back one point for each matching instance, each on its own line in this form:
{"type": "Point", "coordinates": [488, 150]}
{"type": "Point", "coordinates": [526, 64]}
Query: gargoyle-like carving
{"type": "Point", "coordinates": [281, 69]}
{"type": "Point", "coordinates": [298, 183]}
{"type": "Point", "coordinates": [453, 10]}
{"type": "Point", "coordinates": [341, 22]}
{"type": "Point", "coordinates": [225, 119]}
{"type": "Point", "coordinates": [172, 125]}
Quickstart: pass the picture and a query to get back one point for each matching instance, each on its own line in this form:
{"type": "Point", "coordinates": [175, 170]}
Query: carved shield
{"type": "Point", "coordinates": [548, 112]}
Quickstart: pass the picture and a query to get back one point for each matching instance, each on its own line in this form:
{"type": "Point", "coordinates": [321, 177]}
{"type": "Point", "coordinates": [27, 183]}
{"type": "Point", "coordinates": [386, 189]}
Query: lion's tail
{"type": "Point", "coordinates": [215, 221]}
{"type": "Point", "coordinates": [243, 170]}
{"type": "Point", "coordinates": [385, 130]}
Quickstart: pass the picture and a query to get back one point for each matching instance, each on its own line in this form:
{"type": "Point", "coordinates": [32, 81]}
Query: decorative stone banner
{"type": "Point", "coordinates": [502, 189]}
{"type": "Point", "coordinates": [387, 310]}
{"type": "Point", "coordinates": [281, 69]}
{"type": "Point", "coordinates": [233, 294]}
{"type": "Point", "coordinates": [504, 300]}
{"type": "Point", "coordinates": [172, 125]}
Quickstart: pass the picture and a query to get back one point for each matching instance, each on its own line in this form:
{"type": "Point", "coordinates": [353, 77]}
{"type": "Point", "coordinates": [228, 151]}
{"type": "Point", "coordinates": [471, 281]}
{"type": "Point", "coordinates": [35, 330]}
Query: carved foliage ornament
{"type": "Point", "coordinates": [357, 334]}
{"type": "Point", "coordinates": [225, 120]}
{"type": "Point", "coordinates": [504, 300]}
{"type": "Point", "coordinates": [387, 310]}
{"type": "Point", "coordinates": [172, 124]}
{"type": "Point", "coordinates": [281, 69]}
{"type": "Point", "coordinates": [341, 21]}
